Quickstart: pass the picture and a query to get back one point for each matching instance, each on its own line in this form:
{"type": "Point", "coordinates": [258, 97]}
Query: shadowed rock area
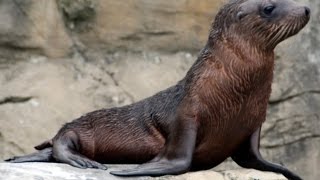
{"type": "Point", "coordinates": [61, 59]}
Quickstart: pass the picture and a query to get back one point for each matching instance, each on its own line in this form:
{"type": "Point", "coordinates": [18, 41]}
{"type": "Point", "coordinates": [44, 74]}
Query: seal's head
{"type": "Point", "coordinates": [264, 23]}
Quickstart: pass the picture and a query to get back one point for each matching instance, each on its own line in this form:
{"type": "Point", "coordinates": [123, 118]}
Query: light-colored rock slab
{"type": "Point", "coordinates": [53, 171]}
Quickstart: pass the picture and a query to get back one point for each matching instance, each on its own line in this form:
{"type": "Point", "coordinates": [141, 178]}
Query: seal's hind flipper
{"type": "Point", "coordinates": [154, 169]}
{"type": "Point", "coordinates": [66, 150]}
{"type": "Point", "coordinates": [44, 145]}
{"type": "Point", "coordinates": [248, 156]}
{"type": "Point", "coordinates": [44, 155]}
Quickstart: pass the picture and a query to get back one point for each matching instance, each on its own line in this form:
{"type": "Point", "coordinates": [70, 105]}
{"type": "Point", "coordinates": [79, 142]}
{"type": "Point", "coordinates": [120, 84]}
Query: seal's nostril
{"type": "Point", "coordinates": [307, 11]}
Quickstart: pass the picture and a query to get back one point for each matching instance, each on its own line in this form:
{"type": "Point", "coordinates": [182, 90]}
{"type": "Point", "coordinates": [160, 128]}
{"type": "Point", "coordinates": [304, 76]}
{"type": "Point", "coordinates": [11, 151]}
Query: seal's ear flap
{"type": "Point", "coordinates": [240, 15]}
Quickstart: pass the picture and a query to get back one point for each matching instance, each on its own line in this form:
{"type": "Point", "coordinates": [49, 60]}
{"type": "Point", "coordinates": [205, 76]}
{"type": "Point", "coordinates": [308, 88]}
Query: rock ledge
{"type": "Point", "coordinates": [53, 171]}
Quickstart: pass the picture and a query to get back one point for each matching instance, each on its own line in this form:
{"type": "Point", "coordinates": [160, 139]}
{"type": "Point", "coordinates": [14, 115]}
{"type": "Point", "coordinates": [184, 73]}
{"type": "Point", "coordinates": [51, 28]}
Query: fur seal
{"type": "Point", "coordinates": [214, 112]}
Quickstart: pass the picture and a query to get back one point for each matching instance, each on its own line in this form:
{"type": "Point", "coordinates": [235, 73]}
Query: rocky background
{"type": "Point", "coordinates": [62, 58]}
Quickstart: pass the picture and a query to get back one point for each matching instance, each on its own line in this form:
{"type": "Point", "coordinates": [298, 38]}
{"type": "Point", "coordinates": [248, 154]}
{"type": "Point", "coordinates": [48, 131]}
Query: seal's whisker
{"type": "Point", "coordinates": [285, 30]}
{"type": "Point", "coordinates": [273, 37]}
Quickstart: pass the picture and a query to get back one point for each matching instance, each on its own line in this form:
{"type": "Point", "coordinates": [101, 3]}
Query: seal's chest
{"type": "Point", "coordinates": [230, 112]}
{"type": "Point", "coordinates": [222, 134]}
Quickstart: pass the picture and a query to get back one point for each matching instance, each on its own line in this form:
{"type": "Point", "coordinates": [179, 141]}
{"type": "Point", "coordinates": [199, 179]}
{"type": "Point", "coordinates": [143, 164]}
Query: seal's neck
{"type": "Point", "coordinates": [239, 49]}
{"type": "Point", "coordinates": [234, 58]}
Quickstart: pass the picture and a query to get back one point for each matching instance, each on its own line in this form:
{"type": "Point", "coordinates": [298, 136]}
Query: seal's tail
{"type": "Point", "coordinates": [44, 155]}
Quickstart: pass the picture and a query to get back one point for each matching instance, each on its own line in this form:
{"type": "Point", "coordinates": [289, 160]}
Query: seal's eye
{"type": "Point", "coordinates": [268, 10]}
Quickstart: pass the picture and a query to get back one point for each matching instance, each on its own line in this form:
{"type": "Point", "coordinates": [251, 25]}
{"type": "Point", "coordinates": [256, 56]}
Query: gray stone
{"type": "Point", "coordinates": [52, 171]}
{"type": "Point", "coordinates": [32, 27]}
{"type": "Point", "coordinates": [155, 25]}
{"type": "Point", "coordinates": [78, 13]}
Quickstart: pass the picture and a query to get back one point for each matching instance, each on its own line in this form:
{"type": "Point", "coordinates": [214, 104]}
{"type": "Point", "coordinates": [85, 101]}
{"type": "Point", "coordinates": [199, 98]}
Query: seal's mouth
{"type": "Point", "coordinates": [289, 26]}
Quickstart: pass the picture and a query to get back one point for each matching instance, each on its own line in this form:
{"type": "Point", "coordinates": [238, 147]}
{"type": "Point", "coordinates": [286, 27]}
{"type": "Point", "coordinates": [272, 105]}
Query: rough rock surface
{"type": "Point", "coordinates": [40, 92]}
{"type": "Point", "coordinates": [145, 25]}
{"type": "Point", "coordinates": [104, 25]}
{"type": "Point", "coordinates": [52, 171]}
{"type": "Point", "coordinates": [32, 26]}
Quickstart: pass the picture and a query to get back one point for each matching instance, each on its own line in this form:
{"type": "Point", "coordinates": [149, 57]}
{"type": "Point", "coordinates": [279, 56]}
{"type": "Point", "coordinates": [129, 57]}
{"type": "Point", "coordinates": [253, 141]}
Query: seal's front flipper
{"type": "Point", "coordinates": [176, 157]}
{"type": "Point", "coordinates": [248, 156]}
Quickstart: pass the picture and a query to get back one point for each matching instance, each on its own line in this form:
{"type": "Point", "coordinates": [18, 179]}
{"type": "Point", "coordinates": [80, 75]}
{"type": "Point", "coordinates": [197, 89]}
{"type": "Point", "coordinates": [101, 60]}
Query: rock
{"type": "Point", "coordinates": [149, 25]}
{"type": "Point", "coordinates": [34, 26]}
{"type": "Point", "coordinates": [38, 26]}
{"type": "Point", "coordinates": [78, 12]}
{"type": "Point", "coordinates": [157, 75]}
{"type": "Point", "coordinates": [52, 171]}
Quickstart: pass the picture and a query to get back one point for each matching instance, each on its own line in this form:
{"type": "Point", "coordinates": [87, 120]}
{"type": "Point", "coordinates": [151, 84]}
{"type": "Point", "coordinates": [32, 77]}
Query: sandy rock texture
{"type": "Point", "coordinates": [51, 171]}
{"type": "Point", "coordinates": [60, 59]}
{"type": "Point", "coordinates": [32, 26]}
{"type": "Point", "coordinates": [140, 24]}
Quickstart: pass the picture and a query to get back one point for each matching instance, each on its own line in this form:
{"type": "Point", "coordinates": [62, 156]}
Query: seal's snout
{"type": "Point", "coordinates": [307, 11]}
